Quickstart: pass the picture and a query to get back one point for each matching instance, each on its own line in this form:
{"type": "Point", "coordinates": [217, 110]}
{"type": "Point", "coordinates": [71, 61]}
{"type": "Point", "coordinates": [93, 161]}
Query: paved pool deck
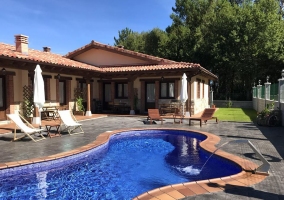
{"type": "Point", "coordinates": [269, 140]}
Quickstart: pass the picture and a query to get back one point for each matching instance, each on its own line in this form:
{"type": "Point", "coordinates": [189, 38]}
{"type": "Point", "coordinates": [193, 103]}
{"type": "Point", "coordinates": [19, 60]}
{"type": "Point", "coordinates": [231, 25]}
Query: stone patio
{"type": "Point", "coordinates": [269, 140]}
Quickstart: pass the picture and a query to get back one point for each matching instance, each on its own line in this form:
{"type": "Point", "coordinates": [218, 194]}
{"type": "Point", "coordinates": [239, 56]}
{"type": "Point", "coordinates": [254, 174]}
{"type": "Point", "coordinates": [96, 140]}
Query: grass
{"type": "Point", "coordinates": [235, 114]}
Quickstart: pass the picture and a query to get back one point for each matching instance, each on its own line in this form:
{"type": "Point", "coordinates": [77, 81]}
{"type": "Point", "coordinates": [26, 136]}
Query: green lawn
{"type": "Point", "coordinates": [235, 114]}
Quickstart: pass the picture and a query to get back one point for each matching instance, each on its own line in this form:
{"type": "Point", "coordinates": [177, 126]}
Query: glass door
{"type": "Point", "coordinates": [2, 99]}
{"type": "Point", "coordinates": [150, 96]}
{"type": "Point", "coordinates": [107, 96]}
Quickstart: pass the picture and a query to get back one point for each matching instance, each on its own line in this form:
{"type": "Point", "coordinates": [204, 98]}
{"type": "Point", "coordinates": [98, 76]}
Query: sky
{"type": "Point", "coordinates": [66, 25]}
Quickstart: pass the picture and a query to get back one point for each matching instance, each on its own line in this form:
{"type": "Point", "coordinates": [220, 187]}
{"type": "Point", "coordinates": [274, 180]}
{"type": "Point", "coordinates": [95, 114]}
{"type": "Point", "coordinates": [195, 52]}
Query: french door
{"type": "Point", "coordinates": [2, 98]}
{"type": "Point", "coordinates": [150, 96]}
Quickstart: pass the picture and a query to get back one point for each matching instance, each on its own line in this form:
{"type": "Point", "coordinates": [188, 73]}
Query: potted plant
{"type": "Point", "coordinates": [80, 107]}
{"type": "Point", "coordinates": [264, 114]}
{"type": "Point", "coordinates": [28, 103]}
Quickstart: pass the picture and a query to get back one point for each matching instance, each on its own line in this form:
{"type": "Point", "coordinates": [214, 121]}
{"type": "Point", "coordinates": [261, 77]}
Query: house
{"type": "Point", "coordinates": [104, 73]}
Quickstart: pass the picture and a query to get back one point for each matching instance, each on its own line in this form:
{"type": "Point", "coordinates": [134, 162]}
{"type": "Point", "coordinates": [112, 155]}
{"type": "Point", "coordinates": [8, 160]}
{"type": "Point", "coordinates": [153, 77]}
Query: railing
{"type": "Point", "coordinates": [274, 91]}
{"type": "Point", "coordinates": [262, 95]}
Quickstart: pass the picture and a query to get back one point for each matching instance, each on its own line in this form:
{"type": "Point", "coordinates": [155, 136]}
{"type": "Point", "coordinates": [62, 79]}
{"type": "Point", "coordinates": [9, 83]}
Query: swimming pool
{"type": "Point", "coordinates": [131, 163]}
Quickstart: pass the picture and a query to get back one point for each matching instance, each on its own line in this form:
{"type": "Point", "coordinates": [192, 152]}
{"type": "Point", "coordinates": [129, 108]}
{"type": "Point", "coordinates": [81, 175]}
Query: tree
{"type": "Point", "coordinates": [130, 40]}
{"type": "Point", "coordinates": [240, 41]}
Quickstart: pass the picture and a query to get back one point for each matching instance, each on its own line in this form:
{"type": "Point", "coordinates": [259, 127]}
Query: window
{"type": "Point", "coordinates": [45, 89]}
{"type": "Point", "coordinates": [198, 88]}
{"type": "Point", "coordinates": [122, 90]}
{"type": "Point", "coordinates": [167, 90]}
{"type": "Point", "coordinates": [203, 89]}
{"type": "Point", "coordinates": [62, 92]}
{"type": "Point", "coordinates": [2, 92]}
{"type": "Point", "coordinates": [82, 85]}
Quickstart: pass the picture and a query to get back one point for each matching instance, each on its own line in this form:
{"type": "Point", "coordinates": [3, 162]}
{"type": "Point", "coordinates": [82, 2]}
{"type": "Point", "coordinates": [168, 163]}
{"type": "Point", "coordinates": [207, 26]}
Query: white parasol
{"type": "Point", "coordinates": [39, 96]}
{"type": "Point", "coordinates": [183, 91]}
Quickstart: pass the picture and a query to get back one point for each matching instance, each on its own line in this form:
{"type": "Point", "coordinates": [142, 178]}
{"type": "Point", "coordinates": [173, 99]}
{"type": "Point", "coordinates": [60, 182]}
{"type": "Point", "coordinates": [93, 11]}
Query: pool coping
{"type": "Point", "coordinates": [177, 191]}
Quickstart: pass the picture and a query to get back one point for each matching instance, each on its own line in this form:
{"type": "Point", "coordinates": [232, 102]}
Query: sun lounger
{"type": "Point", "coordinates": [207, 114]}
{"type": "Point", "coordinates": [69, 122]}
{"type": "Point", "coordinates": [25, 126]}
{"type": "Point", "coordinates": [153, 114]}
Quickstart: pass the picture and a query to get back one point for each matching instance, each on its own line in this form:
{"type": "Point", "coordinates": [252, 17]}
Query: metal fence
{"type": "Point", "coordinates": [274, 91]}
{"type": "Point", "coordinates": [262, 89]}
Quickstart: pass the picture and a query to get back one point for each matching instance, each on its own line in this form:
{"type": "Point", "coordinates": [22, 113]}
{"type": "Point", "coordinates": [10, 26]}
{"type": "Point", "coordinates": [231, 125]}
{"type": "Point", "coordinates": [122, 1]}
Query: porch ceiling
{"type": "Point", "coordinates": [89, 73]}
{"type": "Point", "coordinates": [51, 68]}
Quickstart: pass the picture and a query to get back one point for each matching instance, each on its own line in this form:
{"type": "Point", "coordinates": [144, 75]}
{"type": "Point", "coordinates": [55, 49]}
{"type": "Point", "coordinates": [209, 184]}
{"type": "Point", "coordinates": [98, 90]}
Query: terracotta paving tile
{"type": "Point", "coordinates": [233, 182]}
{"type": "Point", "coordinates": [75, 151]}
{"type": "Point", "coordinates": [154, 198]}
{"type": "Point", "coordinates": [177, 191]}
{"type": "Point", "coordinates": [47, 158]}
{"type": "Point", "coordinates": [178, 186]}
{"type": "Point", "coordinates": [166, 189]}
{"type": "Point", "coordinates": [155, 192]}
{"type": "Point", "coordinates": [194, 187]}
{"type": "Point", "coordinates": [3, 165]}
{"type": "Point", "coordinates": [175, 194]}
{"type": "Point", "coordinates": [218, 182]}
{"type": "Point", "coordinates": [144, 196]}
{"type": "Point", "coordinates": [12, 164]}
{"type": "Point", "coordinates": [186, 192]}
{"type": "Point", "coordinates": [209, 187]}
{"type": "Point", "coordinates": [25, 162]}
{"type": "Point", "coordinates": [253, 179]}
{"type": "Point", "coordinates": [60, 155]}
{"type": "Point", "coordinates": [52, 157]}
{"type": "Point", "coordinates": [229, 184]}
{"type": "Point", "coordinates": [165, 197]}
{"type": "Point", "coordinates": [36, 160]}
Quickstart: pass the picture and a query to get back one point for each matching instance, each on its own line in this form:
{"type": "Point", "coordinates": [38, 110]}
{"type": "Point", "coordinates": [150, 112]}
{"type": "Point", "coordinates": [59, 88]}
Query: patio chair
{"type": "Point", "coordinates": [69, 122]}
{"type": "Point", "coordinates": [153, 114]}
{"type": "Point", "coordinates": [25, 126]}
{"type": "Point", "coordinates": [207, 114]}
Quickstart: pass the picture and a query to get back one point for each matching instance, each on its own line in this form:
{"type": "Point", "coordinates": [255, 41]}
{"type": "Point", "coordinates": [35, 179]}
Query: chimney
{"type": "Point", "coordinates": [22, 44]}
{"type": "Point", "coordinates": [46, 49]}
{"type": "Point", "coordinates": [120, 46]}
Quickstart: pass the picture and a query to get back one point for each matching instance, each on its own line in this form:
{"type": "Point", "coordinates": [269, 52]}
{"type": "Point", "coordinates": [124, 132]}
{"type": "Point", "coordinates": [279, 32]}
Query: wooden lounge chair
{"type": "Point", "coordinates": [207, 114]}
{"type": "Point", "coordinates": [69, 122]}
{"type": "Point", "coordinates": [153, 114]}
{"type": "Point", "coordinates": [25, 126]}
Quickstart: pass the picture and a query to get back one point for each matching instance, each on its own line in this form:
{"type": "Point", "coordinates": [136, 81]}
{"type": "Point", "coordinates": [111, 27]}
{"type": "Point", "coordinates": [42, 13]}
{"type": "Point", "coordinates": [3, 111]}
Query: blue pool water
{"type": "Point", "coordinates": [130, 164]}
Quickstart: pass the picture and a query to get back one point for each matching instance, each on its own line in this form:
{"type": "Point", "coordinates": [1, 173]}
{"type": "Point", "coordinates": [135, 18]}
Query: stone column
{"type": "Point", "coordinates": [88, 111]}
{"type": "Point", "coordinates": [211, 98]}
{"type": "Point", "coordinates": [267, 90]}
{"type": "Point", "coordinates": [259, 91]}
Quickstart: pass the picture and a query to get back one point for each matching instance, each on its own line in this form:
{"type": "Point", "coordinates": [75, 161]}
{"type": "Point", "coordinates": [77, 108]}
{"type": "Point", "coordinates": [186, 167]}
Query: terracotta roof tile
{"type": "Point", "coordinates": [94, 44]}
{"type": "Point", "coordinates": [7, 50]}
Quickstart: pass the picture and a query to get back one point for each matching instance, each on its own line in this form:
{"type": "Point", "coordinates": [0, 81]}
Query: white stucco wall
{"type": "Point", "coordinates": [199, 104]}
{"type": "Point", "coordinates": [99, 57]}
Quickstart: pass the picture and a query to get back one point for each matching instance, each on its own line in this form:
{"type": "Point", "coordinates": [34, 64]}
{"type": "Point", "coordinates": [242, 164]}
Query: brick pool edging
{"type": "Point", "coordinates": [176, 191]}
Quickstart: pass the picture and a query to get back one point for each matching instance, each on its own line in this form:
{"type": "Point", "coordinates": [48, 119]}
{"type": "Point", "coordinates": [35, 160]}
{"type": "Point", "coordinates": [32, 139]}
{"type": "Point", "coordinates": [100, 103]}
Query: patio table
{"type": "Point", "coordinates": [50, 112]}
{"type": "Point", "coordinates": [53, 125]}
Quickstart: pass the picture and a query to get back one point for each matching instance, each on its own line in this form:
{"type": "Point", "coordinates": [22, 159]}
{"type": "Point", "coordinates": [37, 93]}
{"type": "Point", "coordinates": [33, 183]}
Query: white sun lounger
{"type": "Point", "coordinates": [26, 127]}
{"type": "Point", "coordinates": [69, 122]}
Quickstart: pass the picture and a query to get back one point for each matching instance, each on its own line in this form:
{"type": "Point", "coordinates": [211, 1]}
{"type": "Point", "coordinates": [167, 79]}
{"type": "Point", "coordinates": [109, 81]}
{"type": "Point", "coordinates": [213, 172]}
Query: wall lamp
{"type": "Point", "coordinates": [4, 71]}
{"type": "Point", "coordinates": [162, 78]}
{"type": "Point", "coordinates": [58, 76]}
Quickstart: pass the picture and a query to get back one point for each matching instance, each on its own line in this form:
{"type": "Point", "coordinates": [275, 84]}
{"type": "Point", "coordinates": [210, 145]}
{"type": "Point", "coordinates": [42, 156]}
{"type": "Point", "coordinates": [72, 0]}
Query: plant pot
{"type": "Point", "coordinates": [79, 113]}
{"type": "Point", "coordinates": [212, 106]}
